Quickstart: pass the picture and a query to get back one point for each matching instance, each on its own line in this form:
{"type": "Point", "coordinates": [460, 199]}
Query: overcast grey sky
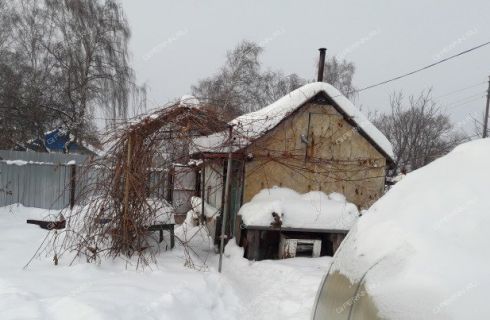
{"type": "Point", "coordinates": [175, 43]}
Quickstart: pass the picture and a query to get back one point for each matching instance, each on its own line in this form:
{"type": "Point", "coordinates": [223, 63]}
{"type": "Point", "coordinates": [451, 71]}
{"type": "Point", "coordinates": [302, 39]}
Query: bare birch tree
{"type": "Point", "coordinates": [62, 62]}
{"type": "Point", "coordinates": [90, 49]}
{"type": "Point", "coordinates": [241, 85]}
{"type": "Point", "coordinates": [26, 80]}
{"type": "Point", "coordinates": [340, 74]}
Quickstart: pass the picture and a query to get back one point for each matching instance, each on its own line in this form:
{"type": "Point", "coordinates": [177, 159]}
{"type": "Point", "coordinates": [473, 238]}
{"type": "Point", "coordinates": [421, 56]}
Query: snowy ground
{"type": "Point", "coordinates": [115, 290]}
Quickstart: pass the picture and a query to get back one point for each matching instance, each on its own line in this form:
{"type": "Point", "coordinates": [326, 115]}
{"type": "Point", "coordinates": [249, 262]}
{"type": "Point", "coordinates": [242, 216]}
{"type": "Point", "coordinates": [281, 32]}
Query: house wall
{"type": "Point", "coordinates": [337, 159]}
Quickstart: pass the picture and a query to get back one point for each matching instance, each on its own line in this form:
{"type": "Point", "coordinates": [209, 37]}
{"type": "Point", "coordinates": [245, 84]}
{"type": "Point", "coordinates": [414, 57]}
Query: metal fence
{"type": "Point", "coordinates": [42, 180]}
{"type": "Point", "coordinates": [55, 180]}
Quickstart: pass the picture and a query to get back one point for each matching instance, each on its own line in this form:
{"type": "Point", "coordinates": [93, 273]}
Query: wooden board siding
{"type": "Point", "coordinates": [337, 158]}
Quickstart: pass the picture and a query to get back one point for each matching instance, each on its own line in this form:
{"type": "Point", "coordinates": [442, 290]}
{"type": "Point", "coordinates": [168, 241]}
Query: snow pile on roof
{"type": "Point", "coordinates": [189, 101]}
{"type": "Point", "coordinates": [216, 142]}
{"type": "Point", "coordinates": [313, 210]}
{"type": "Point", "coordinates": [97, 150]}
{"type": "Point", "coordinates": [423, 247]}
{"type": "Point", "coordinates": [253, 125]}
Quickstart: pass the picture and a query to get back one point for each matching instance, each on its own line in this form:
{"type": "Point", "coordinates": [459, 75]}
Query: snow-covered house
{"type": "Point", "coordinates": [313, 139]}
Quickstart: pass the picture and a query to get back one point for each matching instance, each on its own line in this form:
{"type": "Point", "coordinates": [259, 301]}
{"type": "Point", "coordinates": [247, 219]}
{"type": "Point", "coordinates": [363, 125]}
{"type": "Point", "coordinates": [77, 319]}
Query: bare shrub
{"type": "Point", "coordinates": [117, 207]}
{"type": "Point", "coordinates": [418, 130]}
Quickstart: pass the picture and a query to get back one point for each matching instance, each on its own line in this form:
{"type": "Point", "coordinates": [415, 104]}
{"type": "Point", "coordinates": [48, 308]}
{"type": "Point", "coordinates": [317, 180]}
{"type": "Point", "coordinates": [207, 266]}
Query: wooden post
{"type": "Point", "coordinates": [126, 193]}
{"type": "Point", "coordinates": [73, 180]}
{"type": "Point", "coordinates": [226, 200]}
{"type": "Point", "coordinates": [485, 120]}
{"type": "Point", "coordinates": [203, 187]}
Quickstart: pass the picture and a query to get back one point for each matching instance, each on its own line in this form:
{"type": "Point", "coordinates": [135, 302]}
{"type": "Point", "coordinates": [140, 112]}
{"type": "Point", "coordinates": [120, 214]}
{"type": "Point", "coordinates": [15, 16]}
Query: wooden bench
{"type": "Point", "coordinates": [160, 227]}
{"type": "Point", "coordinates": [164, 226]}
{"type": "Point", "coordinates": [48, 225]}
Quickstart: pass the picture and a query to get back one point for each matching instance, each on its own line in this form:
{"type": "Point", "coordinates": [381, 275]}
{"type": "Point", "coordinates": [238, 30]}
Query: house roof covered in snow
{"type": "Point", "coordinates": [252, 126]}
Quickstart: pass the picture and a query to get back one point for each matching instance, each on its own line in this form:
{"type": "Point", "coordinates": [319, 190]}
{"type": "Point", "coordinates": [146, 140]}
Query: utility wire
{"type": "Point", "coordinates": [459, 90]}
{"type": "Point", "coordinates": [451, 103]}
{"type": "Point", "coordinates": [419, 70]}
{"type": "Point", "coordinates": [451, 107]}
{"type": "Point", "coordinates": [424, 68]}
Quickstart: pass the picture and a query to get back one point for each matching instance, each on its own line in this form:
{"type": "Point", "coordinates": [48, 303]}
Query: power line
{"type": "Point", "coordinates": [460, 90]}
{"type": "Point", "coordinates": [412, 73]}
{"type": "Point", "coordinates": [463, 100]}
{"type": "Point", "coordinates": [424, 68]}
{"type": "Point", "coordinates": [465, 103]}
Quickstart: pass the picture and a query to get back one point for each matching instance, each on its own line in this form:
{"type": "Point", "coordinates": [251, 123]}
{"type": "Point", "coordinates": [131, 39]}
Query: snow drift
{"type": "Point", "coordinates": [423, 247]}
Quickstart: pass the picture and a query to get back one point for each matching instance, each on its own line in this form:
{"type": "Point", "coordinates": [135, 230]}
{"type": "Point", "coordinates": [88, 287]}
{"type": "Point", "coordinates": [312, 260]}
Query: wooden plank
{"type": "Point", "coordinates": [286, 229]}
{"type": "Point", "coordinates": [253, 245]}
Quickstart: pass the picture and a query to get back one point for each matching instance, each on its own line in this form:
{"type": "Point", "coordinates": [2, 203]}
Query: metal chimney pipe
{"type": "Point", "coordinates": [321, 64]}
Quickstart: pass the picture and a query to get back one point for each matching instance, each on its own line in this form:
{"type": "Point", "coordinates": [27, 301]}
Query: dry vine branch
{"type": "Point", "coordinates": [121, 198]}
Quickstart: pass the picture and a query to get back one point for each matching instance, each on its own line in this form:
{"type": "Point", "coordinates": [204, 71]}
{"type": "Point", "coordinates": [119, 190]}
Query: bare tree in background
{"type": "Point", "coordinates": [4, 24]}
{"type": "Point", "coordinates": [340, 75]}
{"type": "Point", "coordinates": [26, 81]}
{"type": "Point", "coordinates": [478, 126]}
{"type": "Point", "coordinates": [64, 62]}
{"type": "Point", "coordinates": [91, 52]}
{"type": "Point", "coordinates": [38, 98]}
{"type": "Point", "coordinates": [276, 85]}
{"type": "Point", "coordinates": [418, 130]}
{"type": "Point", "coordinates": [241, 85]}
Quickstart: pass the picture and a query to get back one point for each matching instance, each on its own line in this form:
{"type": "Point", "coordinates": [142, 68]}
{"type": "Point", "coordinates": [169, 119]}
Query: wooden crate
{"type": "Point", "coordinates": [291, 247]}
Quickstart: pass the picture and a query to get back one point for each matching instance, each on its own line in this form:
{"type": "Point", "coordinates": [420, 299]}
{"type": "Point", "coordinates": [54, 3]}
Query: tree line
{"type": "Point", "coordinates": [417, 127]}
{"type": "Point", "coordinates": [242, 85]}
{"type": "Point", "coordinates": [62, 62]}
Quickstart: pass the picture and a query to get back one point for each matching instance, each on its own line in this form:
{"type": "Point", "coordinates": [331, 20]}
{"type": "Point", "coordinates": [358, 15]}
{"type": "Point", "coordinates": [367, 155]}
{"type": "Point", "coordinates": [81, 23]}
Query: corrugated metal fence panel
{"type": "Point", "coordinates": [35, 185]}
{"type": "Point", "coordinates": [43, 181]}
{"type": "Point", "coordinates": [84, 178]}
